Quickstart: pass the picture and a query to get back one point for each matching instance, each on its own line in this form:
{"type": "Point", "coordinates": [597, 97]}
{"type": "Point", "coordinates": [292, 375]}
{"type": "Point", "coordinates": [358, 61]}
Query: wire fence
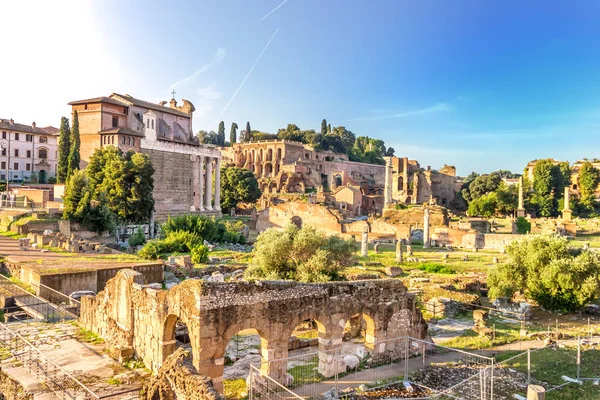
{"type": "Point", "coordinates": [393, 367]}
{"type": "Point", "coordinates": [21, 302]}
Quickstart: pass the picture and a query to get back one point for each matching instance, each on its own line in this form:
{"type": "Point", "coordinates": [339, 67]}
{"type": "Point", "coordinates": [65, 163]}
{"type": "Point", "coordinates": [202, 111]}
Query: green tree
{"type": "Point", "coordinates": [304, 254]}
{"type": "Point", "coordinates": [324, 127]}
{"type": "Point", "coordinates": [248, 135]}
{"type": "Point", "coordinates": [543, 183]}
{"type": "Point", "coordinates": [208, 137]}
{"type": "Point", "coordinates": [140, 185]}
{"type": "Point", "coordinates": [588, 182]}
{"type": "Point", "coordinates": [546, 270]}
{"type": "Point", "coordinates": [483, 206]}
{"type": "Point", "coordinates": [75, 142]}
{"type": "Point", "coordinates": [481, 185]}
{"type": "Point", "coordinates": [221, 134]}
{"type": "Point", "coordinates": [238, 185]}
{"type": "Point", "coordinates": [64, 148]}
{"type": "Point", "coordinates": [233, 133]}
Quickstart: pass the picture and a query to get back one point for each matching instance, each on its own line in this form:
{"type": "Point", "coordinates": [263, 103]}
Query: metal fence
{"type": "Point", "coordinates": [37, 308]}
{"type": "Point", "coordinates": [56, 379]}
{"type": "Point", "coordinates": [573, 359]}
{"type": "Point", "coordinates": [398, 366]}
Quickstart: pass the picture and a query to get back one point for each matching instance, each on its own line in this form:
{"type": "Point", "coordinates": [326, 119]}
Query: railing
{"type": "Point", "coordinates": [55, 378]}
{"type": "Point", "coordinates": [390, 365]}
{"type": "Point", "coordinates": [262, 386]}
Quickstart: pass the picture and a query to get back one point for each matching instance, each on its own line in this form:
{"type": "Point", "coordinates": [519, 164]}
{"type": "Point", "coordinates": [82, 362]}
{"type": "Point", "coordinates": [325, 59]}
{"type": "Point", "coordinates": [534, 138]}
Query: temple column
{"type": "Point", "coordinates": [196, 180]}
{"type": "Point", "coordinates": [218, 185]}
{"type": "Point", "coordinates": [208, 196]}
{"type": "Point", "coordinates": [201, 183]}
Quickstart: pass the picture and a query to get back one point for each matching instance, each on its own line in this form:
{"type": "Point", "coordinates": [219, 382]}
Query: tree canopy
{"type": "Point", "coordinates": [238, 185]}
{"type": "Point", "coordinates": [548, 271]}
{"type": "Point", "coordinates": [588, 182]}
{"type": "Point", "coordinates": [303, 254]}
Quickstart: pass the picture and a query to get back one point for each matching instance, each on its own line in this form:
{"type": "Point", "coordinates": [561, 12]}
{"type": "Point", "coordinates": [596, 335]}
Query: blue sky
{"type": "Point", "coordinates": [482, 85]}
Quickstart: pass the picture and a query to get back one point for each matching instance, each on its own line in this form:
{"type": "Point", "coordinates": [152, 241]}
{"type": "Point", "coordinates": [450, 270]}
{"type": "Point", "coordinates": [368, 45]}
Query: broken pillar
{"type": "Point", "coordinates": [426, 239]}
{"type": "Point", "coordinates": [399, 257]}
{"type": "Point", "coordinates": [364, 248]}
{"type": "Point", "coordinates": [536, 392]}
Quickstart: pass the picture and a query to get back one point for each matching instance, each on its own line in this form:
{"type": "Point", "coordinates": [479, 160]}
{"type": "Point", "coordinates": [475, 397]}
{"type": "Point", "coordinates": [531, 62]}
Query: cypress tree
{"type": "Point", "coordinates": [64, 148]}
{"type": "Point", "coordinates": [233, 133]}
{"type": "Point", "coordinates": [324, 127]}
{"type": "Point", "coordinates": [74, 156]}
{"type": "Point", "coordinates": [221, 134]}
{"type": "Point", "coordinates": [248, 137]}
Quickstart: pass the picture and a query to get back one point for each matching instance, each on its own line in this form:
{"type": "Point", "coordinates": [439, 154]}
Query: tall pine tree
{"type": "Point", "coordinates": [74, 156]}
{"type": "Point", "coordinates": [248, 136]}
{"type": "Point", "coordinates": [221, 134]}
{"type": "Point", "coordinates": [233, 133]}
{"type": "Point", "coordinates": [324, 127]}
{"type": "Point", "coordinates": [64, 148]}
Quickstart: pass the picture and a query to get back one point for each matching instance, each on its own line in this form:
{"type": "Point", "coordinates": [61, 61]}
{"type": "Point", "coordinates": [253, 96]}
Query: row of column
{"type": "Point", "coordinates": [204, 197]}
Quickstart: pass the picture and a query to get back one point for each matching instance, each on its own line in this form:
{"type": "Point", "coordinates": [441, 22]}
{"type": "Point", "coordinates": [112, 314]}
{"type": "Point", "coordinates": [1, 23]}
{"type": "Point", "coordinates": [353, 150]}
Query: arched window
{"type": "Point", "coordinates": [133, 141]}
{"type": "Point", "coordinates": [152, 124]}
{"type": "Point", "coordinates": [43, 154]}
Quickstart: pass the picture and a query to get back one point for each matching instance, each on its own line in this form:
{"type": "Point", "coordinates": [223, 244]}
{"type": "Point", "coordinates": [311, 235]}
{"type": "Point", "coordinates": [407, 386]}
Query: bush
{"type": "Point", "coordinates": [138, 238]}
{"type": "Point", "coordinates": [200, 254]}
{"type": "Point", "coordinates": [152, 250]}
{"type": "Point", "coordinates": [523, 226]}
{"type": "Point", "coordinates": [546, 270]}
{"type": "Point", "coordinates": [303, 254]}
{"type": "Point", "coordinates": [209, 229]}
{"type": "Point", "coordinates": [175, 242]}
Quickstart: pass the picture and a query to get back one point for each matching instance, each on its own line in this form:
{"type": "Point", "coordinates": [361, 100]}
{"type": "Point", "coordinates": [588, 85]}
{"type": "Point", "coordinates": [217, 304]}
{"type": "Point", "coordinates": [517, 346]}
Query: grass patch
{"type": "Point", "coordinates": [306, 373]}
{"type": "Point", "coordinates": [234, 389]}
{"type": "Point", "coordinates": [434, 268]}
{"type": "Point", "coordinates": [114, 381]}
{"type": "Point", "coordinates": [505, 332]}
{"type": "Point", "coordinates": [89, 337]}
{"type": "Point", "coordinates": [550, 364]}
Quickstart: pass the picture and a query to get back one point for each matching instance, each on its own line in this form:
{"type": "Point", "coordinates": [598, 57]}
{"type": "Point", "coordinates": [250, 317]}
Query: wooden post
{"type": "Point", "coordinates": [536, 392]}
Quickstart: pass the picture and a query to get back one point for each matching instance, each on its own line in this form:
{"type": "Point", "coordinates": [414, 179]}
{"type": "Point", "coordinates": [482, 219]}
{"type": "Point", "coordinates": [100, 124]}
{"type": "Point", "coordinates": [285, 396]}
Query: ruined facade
{"type": "Point", "coordinates": [575, 167]}
{"type": "Point", "coordinates": [413, 185]}
{"type": "Point", "coordinates": [141, 320]}
{"type": "Point", "coordinates": [185, 170]}
{"type": "Point", "coordinates": [288, 166]}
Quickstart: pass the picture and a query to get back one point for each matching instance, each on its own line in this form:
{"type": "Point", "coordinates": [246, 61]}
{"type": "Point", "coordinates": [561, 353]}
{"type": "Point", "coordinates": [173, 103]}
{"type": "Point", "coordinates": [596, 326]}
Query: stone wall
{"type": "Point", "coordinates": [141, 320]}
{"type": "Point", "coordinates": [489, 241]}
{"type": "Point", "coordinates": [278, 216]}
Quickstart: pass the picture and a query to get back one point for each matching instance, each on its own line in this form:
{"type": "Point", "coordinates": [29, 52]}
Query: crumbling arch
{"type": "Point", "coordinates": [170, 336]}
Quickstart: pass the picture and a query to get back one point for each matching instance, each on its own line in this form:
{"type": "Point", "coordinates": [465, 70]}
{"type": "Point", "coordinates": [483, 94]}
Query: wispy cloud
{"type": "Point", "coordinates": [273, 10]}
{"type": "Point", "coordinates": [439, 107]}
{"type": "Point", "coordinates": [249, 72]}
{"type": "Point", "coordinates": [217, 58]}
{"type": "Point", "coordinates": [205, 99]}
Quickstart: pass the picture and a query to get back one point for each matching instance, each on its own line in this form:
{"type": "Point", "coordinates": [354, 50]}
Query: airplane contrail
{"type": "Point", "coordinates": [273, 10]}
{"type": "Point", "coordinates": [249, 72]}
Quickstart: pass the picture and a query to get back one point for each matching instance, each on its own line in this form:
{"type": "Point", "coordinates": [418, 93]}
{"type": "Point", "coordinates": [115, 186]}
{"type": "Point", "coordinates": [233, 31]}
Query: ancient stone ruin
{"type": "Point", "coordinates": [140, 320]}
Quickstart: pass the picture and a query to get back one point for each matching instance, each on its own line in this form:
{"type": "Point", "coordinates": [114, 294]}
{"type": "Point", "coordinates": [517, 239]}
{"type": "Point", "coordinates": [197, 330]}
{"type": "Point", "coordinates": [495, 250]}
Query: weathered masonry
{"type": "Point", "coordinates": [137, 319]}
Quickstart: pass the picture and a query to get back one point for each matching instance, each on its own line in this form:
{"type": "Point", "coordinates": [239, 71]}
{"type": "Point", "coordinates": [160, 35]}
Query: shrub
{"type": "Point", "coordinates": [523, 226]}
{"type": "Point", "coordinates": [303, 254]}
{"type": "Point", "coordinates": [138, 238]}
{"type": "Point", "coordinates": [200, 254]}
{"type": "Point", "coordinates": [152, 250]}
{"type": "Point", "coordinates": [210, 229]}
{"type": "Point", "coordinates": [175, 242]}
{"type": "Point", "coordinates": [546, 270]}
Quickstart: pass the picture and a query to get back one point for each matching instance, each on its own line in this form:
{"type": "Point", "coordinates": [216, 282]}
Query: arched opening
{"type": "Point", "coordinates": [175, 334]}
{"type": "Point", "coordinates": [296, 220]}
{"type": "Point", "coordinates": [42, 178]}
{"type": "Point", "coordinates": [268, 169]}
{"type": "Point", "coordinates": [308, 361]}
{"type": "Point", "coordinates": [260, 155]}
{"type": "Point", "coordinates": [306, 156]}
{"type": "Point", "coordinates": [400, 183]}
{"type": "Point", "coordinates": [574, 187]}
{"type": "Point", "coordinates": [270, 155]}
{"type": "Point", "coordinates": [278, 154]}
{"type": "Point", "coordinates": [338, 180]}
{"type": "Point", "coordinates": [444, 202]}
{"type": "Point", "coordinates": [253, 159]}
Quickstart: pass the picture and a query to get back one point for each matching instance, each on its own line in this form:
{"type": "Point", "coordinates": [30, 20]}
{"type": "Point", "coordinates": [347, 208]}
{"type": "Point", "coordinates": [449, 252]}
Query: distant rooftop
{"type": "Point", "coordinates": [9, 124]}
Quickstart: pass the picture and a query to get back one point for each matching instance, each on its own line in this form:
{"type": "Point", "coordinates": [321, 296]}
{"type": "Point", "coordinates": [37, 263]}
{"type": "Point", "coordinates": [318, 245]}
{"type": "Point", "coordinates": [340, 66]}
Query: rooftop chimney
{"type": "Point", "coordinates": [33, 124]}
{"type": "Point", "coordinates": [12, 121]}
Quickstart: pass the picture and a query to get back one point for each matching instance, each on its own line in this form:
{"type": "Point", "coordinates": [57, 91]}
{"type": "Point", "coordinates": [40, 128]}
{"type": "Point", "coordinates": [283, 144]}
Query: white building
{"type": "Point", "coordinates": [27, 153]}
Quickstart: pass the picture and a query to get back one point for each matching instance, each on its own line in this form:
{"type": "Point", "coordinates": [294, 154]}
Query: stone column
{"type": "Point", "coordinates": [426, 240]}
{"type": "Point", "coordinates": [201, 184]}
{"type": "Point", "coordinates": [209, 195]}
{"type": "Point", "coordinates": [388, 182]}
{"type": "Point", "coordinates": [331, 361]}
{"type": "Point", "coordinates": [520, 208]}
{"type": "Point", "coordinates": [399, 256]}
{"type": "Point", "coordinates": [364, 246]}
{"type": "Point", "coordinates": [196, 181]}
{"type": "Point", "coordinates": [218, 185]}
{"type": "Point", "coordinates": [566, 213]}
